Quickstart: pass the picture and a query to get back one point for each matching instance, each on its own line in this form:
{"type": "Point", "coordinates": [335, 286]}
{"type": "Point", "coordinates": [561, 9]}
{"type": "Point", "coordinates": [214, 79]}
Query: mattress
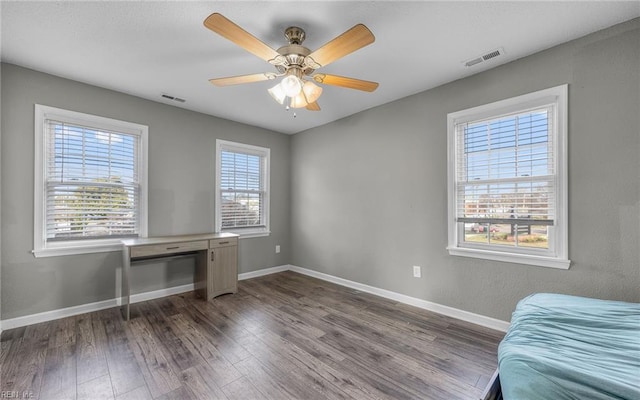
{"type": "Point", "coordinates": [567, 347]}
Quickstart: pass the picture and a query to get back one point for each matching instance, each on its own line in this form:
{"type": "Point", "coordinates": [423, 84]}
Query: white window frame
{"type": "Point", "coordinates": [60, 248]}
{"type": "Point", "coordinates": [557, 255]}
{"type": "Point", "coordinates": [265, 154]}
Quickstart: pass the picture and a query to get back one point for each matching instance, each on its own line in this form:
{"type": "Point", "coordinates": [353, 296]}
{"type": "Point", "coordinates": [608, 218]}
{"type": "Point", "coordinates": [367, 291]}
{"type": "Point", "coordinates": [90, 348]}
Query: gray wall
{"type": "Point", "coordinates": [181, 193]}
{"type": "Point", "coordinates": [369, 192]}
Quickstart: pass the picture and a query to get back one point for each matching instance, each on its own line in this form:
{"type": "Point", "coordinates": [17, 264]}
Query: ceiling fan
{"type": "Point", "coordinates": [296, 63]}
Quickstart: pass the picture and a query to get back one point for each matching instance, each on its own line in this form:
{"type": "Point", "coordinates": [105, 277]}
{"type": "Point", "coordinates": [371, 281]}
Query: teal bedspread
{"type": "Point", "coordinates": [567, 347]}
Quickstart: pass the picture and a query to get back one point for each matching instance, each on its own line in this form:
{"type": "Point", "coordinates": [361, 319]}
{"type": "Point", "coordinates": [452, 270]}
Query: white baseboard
{"type": "Point", "coordinates": [135, 298]}
{"type": "Point", "coordinates": [56, 314]}
{"type": "Point", "coordinates": [263, 272]}
{"type": "Point", "coordinates": [90, 307]}
{"type": "Point", "coordinates": [138, 297]}
{"type": "Point", "coordinates": [477, 319]}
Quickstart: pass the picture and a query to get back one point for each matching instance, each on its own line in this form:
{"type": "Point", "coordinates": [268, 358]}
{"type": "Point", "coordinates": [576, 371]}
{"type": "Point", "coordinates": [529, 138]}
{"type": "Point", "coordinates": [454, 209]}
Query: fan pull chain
{"type": "Point", "coordinates": [294, 114]}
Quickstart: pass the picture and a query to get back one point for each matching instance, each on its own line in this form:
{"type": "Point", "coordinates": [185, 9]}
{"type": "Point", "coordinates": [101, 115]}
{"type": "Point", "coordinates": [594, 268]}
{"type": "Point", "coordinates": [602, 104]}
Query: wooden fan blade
{"type": "Point", "coordinates": [343, 81]}
{"type": "Point", "coordinates": [350, 41]}
{"type": "Point", "coordinates": [228, 30]}
{"type": "Point", "coordinates": [313, 106]}
{"type": "Point", "coordinates": [236, 80]}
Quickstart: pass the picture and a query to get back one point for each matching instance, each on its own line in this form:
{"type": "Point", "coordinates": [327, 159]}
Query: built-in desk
{"type": "Point", "coordinates": [216, 261]}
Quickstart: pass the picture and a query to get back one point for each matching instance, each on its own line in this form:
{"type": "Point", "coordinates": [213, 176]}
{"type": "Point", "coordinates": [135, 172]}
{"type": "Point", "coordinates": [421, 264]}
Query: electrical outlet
{"type": "Point", "coordinates": [277, 248]}
{"type": "Point", "coordinates": [417, 271]}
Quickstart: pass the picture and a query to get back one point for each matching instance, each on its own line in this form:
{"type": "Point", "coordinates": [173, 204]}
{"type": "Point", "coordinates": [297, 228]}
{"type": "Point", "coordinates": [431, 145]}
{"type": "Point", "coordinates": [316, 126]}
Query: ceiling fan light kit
{"type": "Point", "coordinates": [294, 62]}
{"type": "Point", "coordinates": [301, 93]}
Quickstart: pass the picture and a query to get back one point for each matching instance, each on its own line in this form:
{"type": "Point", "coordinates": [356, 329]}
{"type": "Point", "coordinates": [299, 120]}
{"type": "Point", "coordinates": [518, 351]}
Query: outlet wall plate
{"type": "Point", "coordinates": [417, 271]}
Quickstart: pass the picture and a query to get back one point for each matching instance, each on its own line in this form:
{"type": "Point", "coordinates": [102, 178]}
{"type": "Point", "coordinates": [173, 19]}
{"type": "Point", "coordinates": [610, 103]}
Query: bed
{"type": "Point", "coordinates": [567, 347]}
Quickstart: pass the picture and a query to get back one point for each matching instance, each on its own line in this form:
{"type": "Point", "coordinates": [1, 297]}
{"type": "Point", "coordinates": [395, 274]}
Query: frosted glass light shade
{"type": "Point", "coordinates": [277, 92]}
{"type": "Point", "coordinates": [291, 85]}
{"type": "Point", "coordinates": [298, 101]}
{"type": "Point", "coordinates": [311, 91]}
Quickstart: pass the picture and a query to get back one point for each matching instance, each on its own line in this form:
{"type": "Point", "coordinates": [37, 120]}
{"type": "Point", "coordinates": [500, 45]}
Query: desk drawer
{"type": "Point", "coordinates": [223, 242]}
{"type": "Point", "coordinates": [168, 248]}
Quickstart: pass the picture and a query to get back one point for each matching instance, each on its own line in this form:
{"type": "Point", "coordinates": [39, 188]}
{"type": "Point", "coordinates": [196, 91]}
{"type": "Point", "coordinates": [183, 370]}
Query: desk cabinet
{"type": "Point", "coordinates": [222, 267]}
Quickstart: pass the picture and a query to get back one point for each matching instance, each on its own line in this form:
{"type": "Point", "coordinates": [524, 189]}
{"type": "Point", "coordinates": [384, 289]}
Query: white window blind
{"type": "Point", "coordinates": [505, 169]}
{"type": "Point", "coordinates": [92, 188]}
{"type": "Point", "coordinates": [243, 188]}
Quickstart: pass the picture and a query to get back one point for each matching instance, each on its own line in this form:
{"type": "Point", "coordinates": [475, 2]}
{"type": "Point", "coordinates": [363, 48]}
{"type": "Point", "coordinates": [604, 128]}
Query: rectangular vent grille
{"type": "Point", "coordinates": [488, 56]}
{"type": "Point", "coordinates": [178, 99]}
{"type": "Point", "coordinates": [491, 55]}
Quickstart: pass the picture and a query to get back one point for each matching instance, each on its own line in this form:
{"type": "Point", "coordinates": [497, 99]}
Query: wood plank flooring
{"type": "Point", "coordinates": [282, 336]}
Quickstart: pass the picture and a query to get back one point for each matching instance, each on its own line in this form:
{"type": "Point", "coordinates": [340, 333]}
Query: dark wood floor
{"type": "Point", "coordinates": [282, 336]}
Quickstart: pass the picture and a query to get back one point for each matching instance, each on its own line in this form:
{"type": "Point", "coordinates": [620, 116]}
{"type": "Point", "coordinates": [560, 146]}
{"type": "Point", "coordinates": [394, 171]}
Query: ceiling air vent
{"type": "Point", "coordinates": [488, 56]}
{"type": "Point", "coordinates": [178, 99]}
{"type": "Point", "coordinates": [473, 62]}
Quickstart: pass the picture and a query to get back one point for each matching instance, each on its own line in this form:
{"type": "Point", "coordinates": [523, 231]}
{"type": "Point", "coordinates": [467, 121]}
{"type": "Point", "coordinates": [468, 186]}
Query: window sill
{"type": "Point", "coordinates": [75, 250]}
{"type": "Point", "coordinates": [249, 233]}
{"type": "Point", "coordinates": [527, 259]}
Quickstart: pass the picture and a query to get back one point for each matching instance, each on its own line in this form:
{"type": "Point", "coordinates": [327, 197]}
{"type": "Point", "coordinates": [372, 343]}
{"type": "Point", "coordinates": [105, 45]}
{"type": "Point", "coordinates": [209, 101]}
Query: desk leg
{"type": "Point", "coordinates": [126, 266]}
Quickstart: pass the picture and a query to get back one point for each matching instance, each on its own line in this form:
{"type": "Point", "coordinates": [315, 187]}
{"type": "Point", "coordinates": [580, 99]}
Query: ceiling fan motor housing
{"type": "Point", "coordinates": [294, 59]}
{"type": "Point", "coordinates": [295, 56]}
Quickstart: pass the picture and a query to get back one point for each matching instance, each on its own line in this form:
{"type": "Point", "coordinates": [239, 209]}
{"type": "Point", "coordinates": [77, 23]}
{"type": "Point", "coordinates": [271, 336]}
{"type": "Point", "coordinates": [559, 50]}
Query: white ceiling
{"type": "Point", "coordinates": [149, 48]}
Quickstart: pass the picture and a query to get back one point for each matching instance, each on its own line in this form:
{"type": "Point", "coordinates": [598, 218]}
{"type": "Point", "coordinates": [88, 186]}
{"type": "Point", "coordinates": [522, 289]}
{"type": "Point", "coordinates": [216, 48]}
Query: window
{"type": "Point", "coordinates": [90, 182]}
{"type": "Point", "coordinates": [242, 189]}
{"type": "Point", "coordinates": [508, 180]}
